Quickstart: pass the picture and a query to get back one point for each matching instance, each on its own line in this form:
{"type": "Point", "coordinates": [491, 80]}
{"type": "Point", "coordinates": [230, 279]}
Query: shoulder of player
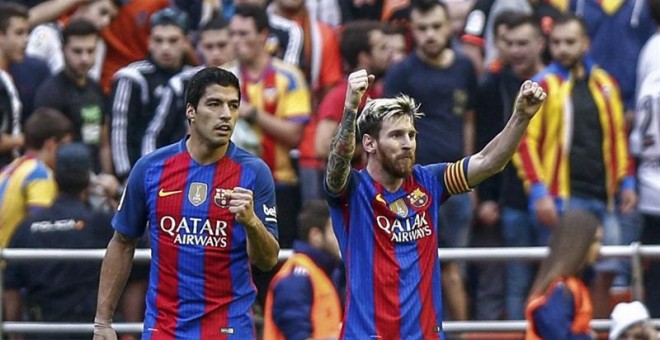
{"type": "Point", "coordinates": [157, 158]}
{"type": "Point", "coordinates": [248, 160]}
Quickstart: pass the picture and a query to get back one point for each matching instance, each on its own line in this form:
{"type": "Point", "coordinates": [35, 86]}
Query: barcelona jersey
{"type": "Point", "coordinates": [389, 244]}
{"type": "Point", "coordinates": [200, 285]}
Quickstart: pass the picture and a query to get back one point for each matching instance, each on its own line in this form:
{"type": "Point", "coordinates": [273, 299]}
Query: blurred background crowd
{"type": "Point", "coordinates": [110, 76]}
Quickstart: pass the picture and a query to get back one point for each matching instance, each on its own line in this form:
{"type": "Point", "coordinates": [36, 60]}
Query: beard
{"type": "Point", "coordinates": [398, 166]}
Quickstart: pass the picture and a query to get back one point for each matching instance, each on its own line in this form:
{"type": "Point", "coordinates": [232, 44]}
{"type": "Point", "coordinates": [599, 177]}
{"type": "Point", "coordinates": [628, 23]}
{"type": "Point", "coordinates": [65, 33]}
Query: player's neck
{"type": "Point", "coordinates": [202, 152]}
{"type": "Point", "coordinates": [389, 182]}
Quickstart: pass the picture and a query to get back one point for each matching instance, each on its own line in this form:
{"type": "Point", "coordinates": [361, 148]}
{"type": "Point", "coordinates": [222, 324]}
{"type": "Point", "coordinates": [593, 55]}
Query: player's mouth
{"type": "Point", "coordinates": [222, 129]}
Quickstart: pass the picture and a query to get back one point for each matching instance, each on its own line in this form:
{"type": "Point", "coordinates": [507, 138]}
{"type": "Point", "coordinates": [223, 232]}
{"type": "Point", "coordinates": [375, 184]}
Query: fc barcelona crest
{"type": "Point", "coordinates": [221, 197]}
{"type": "Point", "coordinates": [418, 198]}
{"type": "Point", "coordinates": [197, 193]}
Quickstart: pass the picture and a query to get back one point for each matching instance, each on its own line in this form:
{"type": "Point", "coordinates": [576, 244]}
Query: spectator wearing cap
{"type": "Point", "coordinates": [631, 320]}
{"type": "Point", "coordinates": [138, 87]}
{"type": "Point", "coordinates": [57, 291]}
{"type": "Point", "coordinates": [26, 184]}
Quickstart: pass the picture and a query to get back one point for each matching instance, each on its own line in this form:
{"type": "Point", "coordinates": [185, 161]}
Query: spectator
{"type": "Point", "coordinates": [74, 93]}
{"type": "Point", "coordinates": [566, 170]}
{"type": "Point", "coordinates": [559, 305]}
{"type": "Point", "coordinates": [503, 198]}
{"type": "Point", "coordinates": [318, 56]}
{"type": "Point", "coordinates": [27, 185]}
{"type": "Point", "coordinates": [629, 23]}
{"type": "Point", "coordinates": [479, 34]}
{"type": "Point", "coordinates": [645, 143]}
{"type": "Point", "coordinates": [59, 291]}
{"type": "Point", "coordinates": [45, 40]}
{"type": "Point", "coordinates": [303, 302]}
{"type": "Point", "coordinates": [168, 125]}
{"type": "Point", "coordinates": [396, 37]}
{"type": "Point", "coordinates": [131, 21]}
{"type": "Point", "coordinates": [631, 320]}
{"type": "Point", "coordinates": [13, 38]}
{"type": "Point", "coordinates": [137, 88]}
{"type": "Point", "coordinates": [275, 107]}
{"type": "Point", "coordinates": [447, 97]}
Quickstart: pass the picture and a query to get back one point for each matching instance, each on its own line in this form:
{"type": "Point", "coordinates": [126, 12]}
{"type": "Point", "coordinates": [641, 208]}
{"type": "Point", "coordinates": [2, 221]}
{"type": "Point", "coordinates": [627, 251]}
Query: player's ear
{"type": "Point", "coordinates": [190, 112]}
{"type": "Point", "coordinates": [368, 143]}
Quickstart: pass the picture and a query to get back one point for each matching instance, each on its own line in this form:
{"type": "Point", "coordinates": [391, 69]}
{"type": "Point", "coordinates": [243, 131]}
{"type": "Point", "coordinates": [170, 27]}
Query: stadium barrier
{"type": "Point", "coordinates": [635, 252]}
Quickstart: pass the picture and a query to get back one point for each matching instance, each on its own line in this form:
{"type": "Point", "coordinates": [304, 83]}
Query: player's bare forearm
{"type": "Point", "coordinates": [496, 154]}
{"type": "Point", "coordinates": [115, 269]}
{"type": "Point", "coordinates": [263, 248]}
{"type": "Point", "coordinates": [341, 152]}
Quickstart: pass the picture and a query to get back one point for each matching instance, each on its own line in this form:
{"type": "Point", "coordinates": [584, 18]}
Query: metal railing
{"type": "Point", "coordinates": [634, 251]}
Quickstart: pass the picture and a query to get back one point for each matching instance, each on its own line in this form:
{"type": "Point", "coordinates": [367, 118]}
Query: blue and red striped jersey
{"type": "Point", "coordinates": [200, 285]}
{"type": "Point", "coordinates": [389, 244]}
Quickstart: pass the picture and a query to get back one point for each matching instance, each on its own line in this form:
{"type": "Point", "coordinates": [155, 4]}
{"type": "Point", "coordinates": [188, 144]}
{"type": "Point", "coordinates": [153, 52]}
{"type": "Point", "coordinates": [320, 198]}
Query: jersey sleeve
{"type": "Point", "coordinates": [131, 216]}
{"type": "Point", "coordinates": [264, 198]}
{"type": "Point", "coordinates": [453, 176]}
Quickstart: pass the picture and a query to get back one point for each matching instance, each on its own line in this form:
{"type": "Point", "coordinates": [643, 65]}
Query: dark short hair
{"type": "Point", "coordinates": [355, 40]}
{"type": "Point", "coordinates": [217, 23]}
{"type": "Point", "coordinates": [170, 17]}
{"type": "Point", "coordinates": [567, 18]}
{"type": "Point", "coordinates": [10, 10]}
{"type": "Point", "coordinates": [73, 165]}
{"type": "Point", "coordinates": [314, 214]}
{"type": "Point", "coordinates": [654, 8]}
{"type": "Point", "coordinates": [257, 13]}
{"type": "Point", "coordinates": [424, 6]}
{"type": "Point", "coordinates": [514, 19]}
{"type": "Point", "coordinates": [78, 28]}
{"type": "Point", "coordinates": [46, 123]}
{"type": "Point", "coordinates": [209, 76]}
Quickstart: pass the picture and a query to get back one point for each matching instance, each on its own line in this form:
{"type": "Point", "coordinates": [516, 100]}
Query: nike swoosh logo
{"type": "Point", "coordinates": [163, 193]}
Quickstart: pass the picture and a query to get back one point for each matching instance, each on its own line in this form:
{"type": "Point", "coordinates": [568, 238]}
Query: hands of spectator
{"type": "Point", "coordinates": [104, 331]}
{"type": "Point", "coordinates": [628, 201]}
{"type": "Point", "coordinates": [530, 98]}
{"type": "Point", "coordinates": [488, 213]}
{"type": "Point", "coordinates": [107, 182]}
{"type": "Point", "coordinates": [546, 211]}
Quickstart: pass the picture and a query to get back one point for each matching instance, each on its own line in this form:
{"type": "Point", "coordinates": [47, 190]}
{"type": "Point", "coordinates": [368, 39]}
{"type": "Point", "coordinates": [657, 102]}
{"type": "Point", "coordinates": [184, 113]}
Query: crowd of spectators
{"type": "Point", "coordinates": [110, 75]}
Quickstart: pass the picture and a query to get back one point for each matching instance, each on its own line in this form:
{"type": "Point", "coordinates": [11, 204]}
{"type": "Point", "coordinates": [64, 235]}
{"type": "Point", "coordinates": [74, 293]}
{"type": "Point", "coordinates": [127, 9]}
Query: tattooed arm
{"type": "Point", "coordinates": [343, 143]}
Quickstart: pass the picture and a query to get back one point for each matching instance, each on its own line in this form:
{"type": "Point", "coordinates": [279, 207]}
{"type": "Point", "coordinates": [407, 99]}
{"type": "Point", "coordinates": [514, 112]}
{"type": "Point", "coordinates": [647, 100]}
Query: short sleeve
{"type": "Point", "coordinates": [453, 176]}
{"type": "Point", "coordinates": [264, 198]}
{"type": "Point", "coordinates": [131, 216]}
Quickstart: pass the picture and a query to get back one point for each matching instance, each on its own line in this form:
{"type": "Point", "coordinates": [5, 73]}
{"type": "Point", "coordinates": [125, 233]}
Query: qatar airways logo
{"type": "Point", "coordinates": [195, 231]}
{"type": "Point", "coordinates": [409, 229]}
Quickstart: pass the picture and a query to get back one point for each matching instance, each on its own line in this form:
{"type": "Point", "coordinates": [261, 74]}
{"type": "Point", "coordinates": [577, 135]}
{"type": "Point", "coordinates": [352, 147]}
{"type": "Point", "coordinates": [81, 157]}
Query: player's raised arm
{"type": "Point", "coordinates": [496, 154]}
{"type": "Point", "coordinates": [343, 143]}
